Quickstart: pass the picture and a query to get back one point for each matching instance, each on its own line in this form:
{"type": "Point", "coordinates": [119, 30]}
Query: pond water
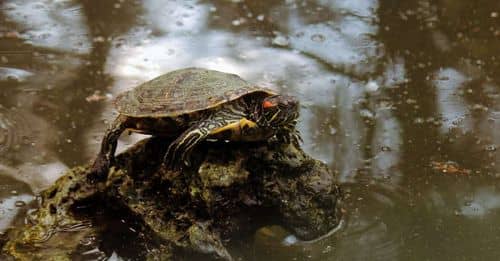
{"type": "Point", "coordinates": [401, 98]}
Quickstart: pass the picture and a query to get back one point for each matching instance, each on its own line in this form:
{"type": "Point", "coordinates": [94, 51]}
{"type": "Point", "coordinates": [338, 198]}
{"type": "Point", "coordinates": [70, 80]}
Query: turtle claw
{"type": "Point", "coordinates": [169, 162]}
{"type": "Point", "coordinates": [175, 163]}
{"type": "Point", "coordinates": [297, 139]}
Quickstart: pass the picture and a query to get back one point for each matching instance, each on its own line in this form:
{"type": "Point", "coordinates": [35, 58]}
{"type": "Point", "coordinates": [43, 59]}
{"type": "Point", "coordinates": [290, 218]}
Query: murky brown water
{"type": "Point", "coordinates": [401, 97]}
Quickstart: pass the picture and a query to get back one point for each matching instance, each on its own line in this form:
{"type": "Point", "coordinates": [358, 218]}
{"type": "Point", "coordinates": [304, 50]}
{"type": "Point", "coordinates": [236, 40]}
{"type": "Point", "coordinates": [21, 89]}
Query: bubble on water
{"type": "Point", "coordinates": [479, 108]}
{"type": "Point", "coordinates": [260, 17]}
{"type": "Point", "coordinates": [372, 86]}
{"type": "Point", "coordinates": [333, 131]}
{"type": "Point", "coordinates": [418, 120]}
{"type": "Point", "coordinates": [385, 148]}
{"type": "Point", "coordinates": [366, 114]}
{"type": "Point", "coordinates": [411, 101]}
{"type": "Point", "coordinates": [473, 210]}
{"type": "Point", "coordinates": [318, 38]}
{"type": "Point", "coordinates": [280, 40]}
{"type": "Point", "coordinates": [490, 147]}
{"type": "Point", "coordinates": [238, 22]}
{"type": "Point", "coordinates": [99, 39]}
{"type": "Point", "coordinates": [20, 203]}
{"type": "Point", "coordinates": [327, 249]}
{"type": "Point", "coordinates": [290, 240]}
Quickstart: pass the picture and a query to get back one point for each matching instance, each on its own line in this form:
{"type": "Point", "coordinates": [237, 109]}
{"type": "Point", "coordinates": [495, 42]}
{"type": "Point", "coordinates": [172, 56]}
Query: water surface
{"type": "Point", "coordinates": [401, 98]}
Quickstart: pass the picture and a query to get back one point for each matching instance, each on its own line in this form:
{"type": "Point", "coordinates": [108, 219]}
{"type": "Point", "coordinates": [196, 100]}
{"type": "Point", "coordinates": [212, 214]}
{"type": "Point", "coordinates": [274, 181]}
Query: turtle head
{"type": "Point", "coordinates": [278, 111]}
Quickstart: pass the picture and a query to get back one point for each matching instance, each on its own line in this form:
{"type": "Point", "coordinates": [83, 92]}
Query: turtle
{"type": "Point", "coordinates": [191, 105]}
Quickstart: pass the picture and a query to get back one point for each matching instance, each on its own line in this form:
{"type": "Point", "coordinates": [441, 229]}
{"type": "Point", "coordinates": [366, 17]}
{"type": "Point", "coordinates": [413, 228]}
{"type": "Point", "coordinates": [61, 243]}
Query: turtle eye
{"type": "Point", "coordinates": [268, 104]}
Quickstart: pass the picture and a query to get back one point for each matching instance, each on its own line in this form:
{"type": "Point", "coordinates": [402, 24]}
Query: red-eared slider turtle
{"type": "Point", "coordinates": [193, 104]}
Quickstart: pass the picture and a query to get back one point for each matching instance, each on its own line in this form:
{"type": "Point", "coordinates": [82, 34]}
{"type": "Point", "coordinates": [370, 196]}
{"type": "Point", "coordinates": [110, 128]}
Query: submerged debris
{"type": "Point", "coordinates": [450, 167]}
{"type": "Point", "coordinates": [167, 213]}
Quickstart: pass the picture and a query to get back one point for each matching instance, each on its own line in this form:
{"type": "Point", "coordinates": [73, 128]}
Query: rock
{"type": "Point", "coordinates": [165, 212]}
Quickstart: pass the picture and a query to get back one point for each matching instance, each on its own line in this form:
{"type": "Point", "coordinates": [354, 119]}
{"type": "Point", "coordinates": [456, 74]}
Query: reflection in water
{"type": "Point", "coordinates": [53, 25]}
{"type": "Point", "coordinates": [449, 85]}
{"type": "Point", "coordinates": [369, 232]}
{"type": "Point", "coordinates": [20, 132]}
{"type": "Point", "coordinates": [387, 88]}
{"type": "Point", "coordinates": [24, 145]}
{"type": "Point", "coordinates": [41, 48]}
{"type": "Point", "coordinates": [15, 195]}
{"type": "Point", "coordinates": [386, 146]}
{"type": "Point", "coordinates": [9, 209]}
{"type": "Point", "coordinates": [13, 75]}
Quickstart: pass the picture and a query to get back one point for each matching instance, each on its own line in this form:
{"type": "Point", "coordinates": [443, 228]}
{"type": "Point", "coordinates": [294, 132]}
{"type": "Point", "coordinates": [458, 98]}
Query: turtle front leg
{"type": "Point", "coordinates": [105, 157]}
{"type": "Point", "coordinates": [179, 150]}
{"type": "Point", "coordinates": [178, 153]}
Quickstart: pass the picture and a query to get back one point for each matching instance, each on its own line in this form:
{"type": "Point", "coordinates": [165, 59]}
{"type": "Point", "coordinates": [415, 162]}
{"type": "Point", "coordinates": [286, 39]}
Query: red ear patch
{"type": "Point", "coordinates": [268, 104]}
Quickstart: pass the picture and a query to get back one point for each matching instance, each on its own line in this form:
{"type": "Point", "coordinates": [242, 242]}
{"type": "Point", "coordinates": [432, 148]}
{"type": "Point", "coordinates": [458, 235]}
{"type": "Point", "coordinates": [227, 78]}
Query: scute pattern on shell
{"type": "Point", "coordinates": [183, 91]}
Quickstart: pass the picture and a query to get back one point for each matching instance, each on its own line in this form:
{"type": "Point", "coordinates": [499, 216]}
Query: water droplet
{"type": "Point", "coordinates": [238, 22]}
{"type": "Point", "coordinates": [372, 86]}
{"type": "Point", "coordinates": [385, 148]}
{"type": "Point", "coordinates": [479, 108]}
{"type": "Point", "coordinates": [411, 101]}
{"type": "Point", "coordinates": [327, 249]}
{"type": "Point", "coordinates": [418, 120]}
{"type": "Point", "coordinates": [366, 114]}
{"type": "Point", "coordinates": [318, 38]}
{"type": "Point", "coordinates": [280, 40]}
{"type": "Point", "coordinates": [290, 240]}
{"type": "Point", "coordinates": [490, 147]}
{"type": "Point", "coordinates": [99, 39]}
{"type": "Point", "coordinates": [20, 204]}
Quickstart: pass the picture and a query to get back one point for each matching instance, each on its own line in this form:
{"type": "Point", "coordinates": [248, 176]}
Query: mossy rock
{"type": "Point", "coordinates": [167, 212]}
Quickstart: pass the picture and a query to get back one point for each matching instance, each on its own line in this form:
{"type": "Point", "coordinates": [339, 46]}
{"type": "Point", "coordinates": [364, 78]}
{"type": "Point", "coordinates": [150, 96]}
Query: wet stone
{"type": "Point", "coordinates": [169, 213]}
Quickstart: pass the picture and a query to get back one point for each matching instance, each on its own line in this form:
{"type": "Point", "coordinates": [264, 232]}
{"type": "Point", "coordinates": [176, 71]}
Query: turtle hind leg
{"type": "Point", "coordinates": [105, 157]}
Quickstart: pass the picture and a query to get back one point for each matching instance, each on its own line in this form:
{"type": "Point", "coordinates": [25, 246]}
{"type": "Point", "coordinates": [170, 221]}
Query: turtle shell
{"type": "Point", "coordinates": [184, 91]}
